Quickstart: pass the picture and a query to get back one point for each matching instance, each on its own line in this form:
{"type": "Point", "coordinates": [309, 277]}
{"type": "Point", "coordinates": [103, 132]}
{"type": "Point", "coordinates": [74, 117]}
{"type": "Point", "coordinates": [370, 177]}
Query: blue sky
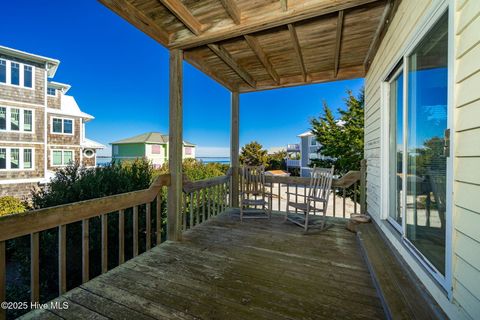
{"type": "Point", "coordinates": [120, 76]}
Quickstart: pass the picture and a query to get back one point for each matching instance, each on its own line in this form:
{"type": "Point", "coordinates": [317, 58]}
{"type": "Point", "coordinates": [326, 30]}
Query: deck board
{"type": "Point", "coordinates": [227, 269]}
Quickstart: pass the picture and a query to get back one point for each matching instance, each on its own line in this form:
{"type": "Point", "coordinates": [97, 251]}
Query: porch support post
{"type": "Point", "coordinates": [175, 146]}
{"type": "Point", "coordinates": [234, 150]}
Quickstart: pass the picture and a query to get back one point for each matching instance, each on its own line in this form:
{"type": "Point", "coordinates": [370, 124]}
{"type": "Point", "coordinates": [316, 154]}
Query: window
{"type": "Point", "coordinates": [3, 71]}
{"type": "Point", "coordinates": [15, 119]}
{"type": "Point", "coordinates": [51, 91]}
{"type": "Point", "coordinates": [67, 126]}
{"type": "Point", "coordinates": [313, 141]}
{"type": "Point", "coordinates": [3, 158]}
{"type": "Point", "coordinates": [115, 150]}
{"type": "Point", "coordinates": [15, 73]}
{"type": "Point", "coordinates": [188, 151]}
{"type": "Point", "coordinates": [27, 76]}
{"type": "Point", "coordinates": [418, 149]}
{"type": "Point", "coordinates": [3, 118]}
{"type": "Point", "coordinates": [62, 126]}
{"type": "Point", "coordinates": [157, 149]}
{"type": "Point", "coordinates": [27, 158]}
{"type": "Point", "coordinates": [395, 87]}
{"type": "Point", "coordinates": [14, 158]}
{"type": "Point", "coordinates": [27, 120]}
{"type": "Point", "coordinates": [88, 153]}
{"type": "Point", "coordinates": [62, 157]}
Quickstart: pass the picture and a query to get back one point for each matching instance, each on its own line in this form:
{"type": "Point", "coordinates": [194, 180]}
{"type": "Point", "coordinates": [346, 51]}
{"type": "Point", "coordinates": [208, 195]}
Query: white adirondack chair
{"type": "Point", "coordinates": [319, 192]}
{"type": "Point", "coordinates": [252, 193]}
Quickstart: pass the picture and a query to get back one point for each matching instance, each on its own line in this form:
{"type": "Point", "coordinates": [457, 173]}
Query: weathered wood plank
{"type": "Point", "coordinates": [230, 61]}
{"type": "Point", "coordinates": [338, 42]}
{"type": "Point", "coordinates": [233, 10]}
{"type": "Point", "coordinates": [104, 224]}
{"type": "Point", "coordinates": [34, 267]}
{"type": "Point", "coordinates": [85, 250]}
{"type": "Point", "coordinates": [257, 49]}
{"type": "Point", "coordinates": [135, 231]}
{"type": "Point", "coordinates": [62, 259]}
{"type": "Point", "coordinates": [298, 50]}
{"type": "Point", "coordinates": [178, 9]}
{"type": "Point", "coordinates": [234, 148]}
{"type": "Point", "coordinates": [3, 279]}
{"type": "Point", "coordinates": [175, 151]}
{"type": "Point", "coordinates": [121, 236]}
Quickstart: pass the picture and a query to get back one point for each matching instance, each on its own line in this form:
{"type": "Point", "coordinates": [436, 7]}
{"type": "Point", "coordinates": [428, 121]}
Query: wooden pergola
{"type": "Point", "coordinates": [253, 45]}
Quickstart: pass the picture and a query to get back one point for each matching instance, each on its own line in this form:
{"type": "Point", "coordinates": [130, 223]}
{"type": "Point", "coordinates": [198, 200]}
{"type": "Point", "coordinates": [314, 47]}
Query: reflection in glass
{"type": "Point", "coordinates": [426, 161]}
{"type": "Point", "coordinates": [396, 147]}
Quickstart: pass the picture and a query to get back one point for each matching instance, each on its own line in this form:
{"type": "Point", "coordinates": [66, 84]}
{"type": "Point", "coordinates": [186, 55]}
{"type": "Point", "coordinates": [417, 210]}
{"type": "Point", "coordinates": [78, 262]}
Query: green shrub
{"type": "Point", "coordinates": [9, 205]}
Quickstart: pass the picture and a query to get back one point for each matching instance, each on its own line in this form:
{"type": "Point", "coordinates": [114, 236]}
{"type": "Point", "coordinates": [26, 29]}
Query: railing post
{"type": "Point", "coordinates": [34, 267]}
{"type": "Point", "coordinates": [363, 186]}
{"type": "Point", "coordinates": [3, 279]}
{"type": "Point", "coordinates": [234, 150]}
{"type": "Point", "coordinates": [175, 147]}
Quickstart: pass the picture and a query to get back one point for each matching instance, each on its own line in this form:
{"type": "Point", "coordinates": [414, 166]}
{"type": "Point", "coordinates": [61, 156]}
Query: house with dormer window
{"type": "Point", "coordinates": [41, 127]}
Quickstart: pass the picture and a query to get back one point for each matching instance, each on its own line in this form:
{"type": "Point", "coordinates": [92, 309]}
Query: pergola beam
{"type": "Point", "coordinates": [257, 49]}
{"type": "Point", "coordinates": [298, 50]}
{"type": "Point", "coordinates": [228, 59]}
{"type": "Point", "coordinates": [277, 19]}
{"type": "Point", "coordinates": [388, 13]}
{"type": "Point", "coordinates": [179, 10]}
{"type": "Point", "coordinates": [136, 17]}
{"type": "Point", "coordinates": [338, 42]}
{"type": "Point", "coordinates": [232, 10]}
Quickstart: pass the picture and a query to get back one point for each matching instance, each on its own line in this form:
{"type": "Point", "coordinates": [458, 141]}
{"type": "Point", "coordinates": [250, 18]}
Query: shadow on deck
{"type": "Point", "coordinates": [225, 269]}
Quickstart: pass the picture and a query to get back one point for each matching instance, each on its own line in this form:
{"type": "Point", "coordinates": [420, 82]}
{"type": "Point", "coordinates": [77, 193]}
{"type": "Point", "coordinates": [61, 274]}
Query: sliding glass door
{"type": "Point", "coordinates": [426, 144]}
{"type": "Point", "coordinates": [418, 146]}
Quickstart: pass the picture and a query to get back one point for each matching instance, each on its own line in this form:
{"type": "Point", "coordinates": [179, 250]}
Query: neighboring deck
{"type": "Point", "coordinates": [225, 269]}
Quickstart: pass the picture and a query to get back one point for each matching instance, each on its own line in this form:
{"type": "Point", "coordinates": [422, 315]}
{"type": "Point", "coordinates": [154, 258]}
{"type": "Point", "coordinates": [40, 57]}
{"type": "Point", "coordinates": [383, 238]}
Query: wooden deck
{"type": "Point", "coordinates": [225, 269]}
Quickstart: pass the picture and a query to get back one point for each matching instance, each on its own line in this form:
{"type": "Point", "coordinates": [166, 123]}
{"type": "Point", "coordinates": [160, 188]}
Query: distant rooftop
{"type": "Point", "coordinates": [149, 137]}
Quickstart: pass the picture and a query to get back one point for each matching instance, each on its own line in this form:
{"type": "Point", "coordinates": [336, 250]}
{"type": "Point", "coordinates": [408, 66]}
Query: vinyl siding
{"type": "Point", "coordinates": [466, 210]}
{"type": "Point", "coordinates": [465, 303]}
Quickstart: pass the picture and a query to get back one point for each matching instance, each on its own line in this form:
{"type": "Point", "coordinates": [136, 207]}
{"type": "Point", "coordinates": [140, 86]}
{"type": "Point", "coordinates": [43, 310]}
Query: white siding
{"type": "Point", "coordinates": [466, 259]}
{"type": "Point", "coordinates": [465, 302]}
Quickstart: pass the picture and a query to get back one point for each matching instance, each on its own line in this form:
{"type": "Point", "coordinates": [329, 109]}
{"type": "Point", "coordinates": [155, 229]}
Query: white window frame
{"type": "Point", "coordinates": [22, 120]}
{"type": "Point", "coordinates": [6, 71]}
{"type": "Point", "coordinates": [429, 20]}
{"type": "Point", "coordinates": [20, 159]}
{"type": "Point", "coordinates": [52, 95]}
{"type": "Point", "coordinates": [21, 83]}
{"type": "Point", "coordinates": [63, 157]}
{"type": "Point", "coordinates": [63, 121]}
{"type": "Point", "coordinates": [85, 154]}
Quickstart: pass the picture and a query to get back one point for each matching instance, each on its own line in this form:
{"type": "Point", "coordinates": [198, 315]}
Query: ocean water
{"type": "Point", "coordinates": [102, 161]}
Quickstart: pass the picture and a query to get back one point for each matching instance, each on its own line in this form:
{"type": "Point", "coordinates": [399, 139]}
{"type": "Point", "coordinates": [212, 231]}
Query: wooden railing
{"type": "Point", "coordinates": [33, 222]}
{"type": "Point", "coordinates": [203, 199]}
{"type": "Point", "coordinates": [345, 193]}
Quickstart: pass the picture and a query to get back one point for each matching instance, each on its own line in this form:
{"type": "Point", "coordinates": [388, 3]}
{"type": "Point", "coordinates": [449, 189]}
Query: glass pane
{"type": "Point", "coordinates": [27, 120]}
{"type": "Point", "coordinates": [15, 73]}
{"type": "Point", "coordinates": [15, 119]}
{"type": "Point", "coordinates": [27, 76]}
{"type": "Point", "coordinates": [51, 91]}
{"type": "Point", "coordinates": [3, 158]}
{"type": "Point", "coordinates": [14, 158]}
{"type": "Point", "coordinates": [426, 159]}
{"type": "Point", "coordinates": [67, 157]}
{"type": "Point", "coordinates": [27, 158]}
{"type": "Point", "coordinates": [396, 148]}
{"type": "Point", "coordinates": [67, 126]}
{"type": "Point", "coordinates": [57, 125]}
{"type": "Point", "coordinates": [3, 118]}
{"type": "Point", "coordinates": [57, 158]}
{"type": "Point", "coordinates": [3, 71]}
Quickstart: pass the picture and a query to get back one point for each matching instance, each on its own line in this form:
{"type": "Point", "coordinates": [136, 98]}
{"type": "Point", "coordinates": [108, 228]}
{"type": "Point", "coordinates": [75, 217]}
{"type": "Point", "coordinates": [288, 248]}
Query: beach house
{"type": "Point", "coordinates": [41, 127]}
{"type": "Point", "coordinates": [151, 145]}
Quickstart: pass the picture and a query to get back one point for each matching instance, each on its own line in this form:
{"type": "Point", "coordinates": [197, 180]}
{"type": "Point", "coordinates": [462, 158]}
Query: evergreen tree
{"type": "Point", "coordinates": [342, 139]}
{"type": "Point", "coordinates": [252, 154]}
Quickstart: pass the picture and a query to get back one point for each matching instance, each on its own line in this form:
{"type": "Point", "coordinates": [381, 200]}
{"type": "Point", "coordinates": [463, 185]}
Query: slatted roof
{"type": "Point", "coordinates": [251, 45]}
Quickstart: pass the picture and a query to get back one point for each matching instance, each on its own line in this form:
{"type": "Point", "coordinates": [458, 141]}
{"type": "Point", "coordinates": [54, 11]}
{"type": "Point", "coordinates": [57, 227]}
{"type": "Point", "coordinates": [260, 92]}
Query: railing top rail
{"type": "Point", "coordinates": [191, 186]}
{"type": "Point", "coordinates": [343, 182]}
{"type": "Point", "coordinates": [17, 225]}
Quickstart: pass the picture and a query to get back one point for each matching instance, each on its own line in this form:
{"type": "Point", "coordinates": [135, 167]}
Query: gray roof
{"type": "Point", "coordinates": [149, 137]}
